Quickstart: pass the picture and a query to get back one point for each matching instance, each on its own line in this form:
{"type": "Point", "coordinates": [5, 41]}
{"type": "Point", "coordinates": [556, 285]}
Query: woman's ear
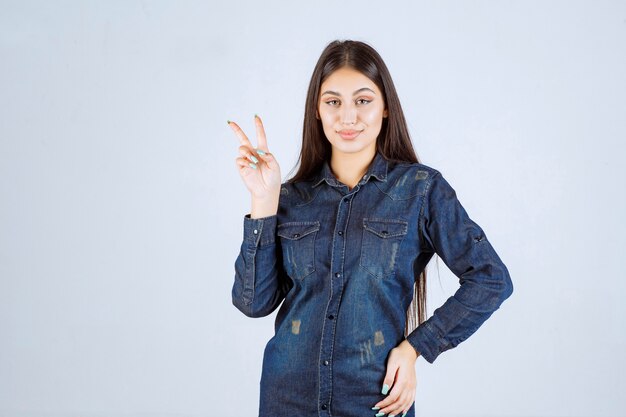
{"type": "Point", "coordinates": [385, 113]}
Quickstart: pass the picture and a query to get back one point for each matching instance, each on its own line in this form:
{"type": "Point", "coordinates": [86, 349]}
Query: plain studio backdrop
{"type": "Point", "coordinates": [121, 208]}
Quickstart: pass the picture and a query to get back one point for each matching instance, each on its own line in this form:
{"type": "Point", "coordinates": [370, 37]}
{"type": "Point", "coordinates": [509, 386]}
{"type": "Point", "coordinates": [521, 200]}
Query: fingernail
{"type": "Point", "coordinates": [380, 414]}
{"type": "Point", "coordinates": [385, 389]}
{"type": "Point", "coordinates": [252, 165]}
{"type": "Point", "coordinates": [256, 161]}
{"type": "Point", "coordinates": [392, 415]}
{"type": "Point", "coordinates": [375, 408]}
{"type": "Point", "coordinates": [259, 151]}
{"type": "Point", "coordinates": [256, 116]}
{"type": "Point", "coordinates": [228, 121]}
{"type": "Point", "coordinates": [404, 414]}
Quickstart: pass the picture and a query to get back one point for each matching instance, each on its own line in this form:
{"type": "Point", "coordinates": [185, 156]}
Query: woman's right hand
{"type": "Point", "coordinates": [263, 178]}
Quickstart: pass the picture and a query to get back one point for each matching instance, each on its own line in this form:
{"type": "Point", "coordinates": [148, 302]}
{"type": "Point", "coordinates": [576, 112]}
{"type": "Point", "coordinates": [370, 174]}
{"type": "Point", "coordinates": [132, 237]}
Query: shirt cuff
{"type": "Point", "coordinates": [424, 342]}
{"type": "Point", "coordinates": [259, 232]}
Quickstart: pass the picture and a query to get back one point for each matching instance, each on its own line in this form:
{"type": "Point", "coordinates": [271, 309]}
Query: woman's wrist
{"type": "Point", "coordinates": [409, 348]}
{"type": "Point", "coordinates": [263, 207]}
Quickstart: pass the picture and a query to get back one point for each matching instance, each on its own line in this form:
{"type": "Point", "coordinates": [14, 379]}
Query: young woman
{"type": "Point", "coordinates": [343, 245]}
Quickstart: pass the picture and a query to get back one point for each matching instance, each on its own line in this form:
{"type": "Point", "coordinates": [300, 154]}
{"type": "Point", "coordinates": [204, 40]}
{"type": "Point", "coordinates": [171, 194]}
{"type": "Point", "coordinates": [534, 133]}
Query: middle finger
{"type": "Point", "coordinates": [239, 132]}
{"type": "Point", "coordinates": [396, 407]}
{"type": "Point", "coordinates": [393, 399]}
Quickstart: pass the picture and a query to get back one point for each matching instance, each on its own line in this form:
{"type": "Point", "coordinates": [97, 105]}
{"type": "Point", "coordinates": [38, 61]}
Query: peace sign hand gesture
{"type": "Point", "coordinates": [258, 168]}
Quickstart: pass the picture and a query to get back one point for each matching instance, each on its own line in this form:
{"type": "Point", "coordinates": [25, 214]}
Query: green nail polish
{"type": "Point", "coordinates": [404, 414]}
{"type": "Point", "coordinates": [260, 152]}
{"type": "Point", "coordinates": [256, 116]}
{"type": "Point", "coordinates": [375, 408]}
{"type": "Point", "coordinates": [256, 161]}
{"type": "Point", "coordinates": [252, 165]}
{"type": "Point", "coordinates": [380, 414]}
{"type": "Point", "coordinates": [385, 389]}
{"type": "Point", "coordinates": [228, 121]}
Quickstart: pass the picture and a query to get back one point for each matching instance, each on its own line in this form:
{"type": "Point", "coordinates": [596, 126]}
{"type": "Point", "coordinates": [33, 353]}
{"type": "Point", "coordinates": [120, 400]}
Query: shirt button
{"type": "Point", "coordinates": [340, 233]}
{"type": "Point", "coordinates": [255, 231]}
{"type": "Point", "coordinates": [331, 317]}
{"type": "Point", "coordinates": [326, 363]}
{"type": "Point", "coordinates": [337, 274]}
{"type": "Point", "coordinates": [324, 407]}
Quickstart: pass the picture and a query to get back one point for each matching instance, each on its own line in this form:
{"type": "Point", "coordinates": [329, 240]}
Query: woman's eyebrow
{"type": "Point", "coordinates": [354, 94]}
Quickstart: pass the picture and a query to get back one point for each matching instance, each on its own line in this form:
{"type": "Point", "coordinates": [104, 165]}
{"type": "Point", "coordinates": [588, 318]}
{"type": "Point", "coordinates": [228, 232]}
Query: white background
{"type": "Point", "coordinates": [121, 209]}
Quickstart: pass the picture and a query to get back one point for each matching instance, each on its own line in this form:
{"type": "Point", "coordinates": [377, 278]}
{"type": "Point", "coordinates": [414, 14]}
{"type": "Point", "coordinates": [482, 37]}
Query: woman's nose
{"type": "Point", "coordinates": [348, 115]}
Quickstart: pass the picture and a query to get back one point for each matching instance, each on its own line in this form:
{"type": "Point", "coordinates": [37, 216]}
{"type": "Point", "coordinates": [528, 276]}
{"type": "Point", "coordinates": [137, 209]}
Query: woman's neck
{"type": "Point", "coordinates": [349, 168]}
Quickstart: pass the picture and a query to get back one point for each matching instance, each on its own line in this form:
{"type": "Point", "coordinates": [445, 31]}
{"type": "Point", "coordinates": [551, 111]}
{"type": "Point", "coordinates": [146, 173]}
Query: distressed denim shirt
{"type": "Point", "coordinates": [343, 263]}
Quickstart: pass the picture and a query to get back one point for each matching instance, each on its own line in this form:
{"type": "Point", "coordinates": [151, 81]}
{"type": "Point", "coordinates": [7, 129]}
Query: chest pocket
{"type": "Point", "coordinates": [298, 245]}
{"type": "Point", "coordinates": [380, 245]}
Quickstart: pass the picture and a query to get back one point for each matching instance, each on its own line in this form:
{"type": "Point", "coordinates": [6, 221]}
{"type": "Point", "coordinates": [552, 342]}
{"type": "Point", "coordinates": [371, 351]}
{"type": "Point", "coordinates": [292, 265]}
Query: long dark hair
{"type": "Point", "coordinates": [393, 141]}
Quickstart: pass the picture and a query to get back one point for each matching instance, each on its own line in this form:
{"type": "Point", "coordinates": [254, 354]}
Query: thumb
{"type": "Point", "coordinates": [267, 157]}
{"type": "Point", "coordinates": [389, 377]}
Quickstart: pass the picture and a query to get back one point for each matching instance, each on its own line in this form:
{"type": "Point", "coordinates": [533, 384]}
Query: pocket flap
{"type": "Point", "coordinates": [297, 230]}
{"type": "Point", "coordinates": [386, 227]}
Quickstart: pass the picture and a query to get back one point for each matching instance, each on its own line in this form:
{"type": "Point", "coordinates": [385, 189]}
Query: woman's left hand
{"type": "Point", "coordinates": [402, 380]}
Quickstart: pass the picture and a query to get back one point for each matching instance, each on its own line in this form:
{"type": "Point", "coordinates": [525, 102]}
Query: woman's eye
{"type": "Point", "coordinates": [361, 100]}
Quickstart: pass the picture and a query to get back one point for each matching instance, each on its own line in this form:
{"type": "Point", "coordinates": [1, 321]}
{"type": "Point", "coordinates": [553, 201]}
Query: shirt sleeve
{"type": "Point", "coordinates": [260, 281]}
{"type": "Point", "coordinates": [446, 229]}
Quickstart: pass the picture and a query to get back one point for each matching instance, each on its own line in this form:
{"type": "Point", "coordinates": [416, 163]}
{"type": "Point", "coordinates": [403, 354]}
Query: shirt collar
{"type": "Point", "coordinates": [377, 169]}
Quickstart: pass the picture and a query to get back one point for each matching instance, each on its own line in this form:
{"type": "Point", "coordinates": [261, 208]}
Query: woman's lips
{"type": "Point", "coordinates": [349, 134]}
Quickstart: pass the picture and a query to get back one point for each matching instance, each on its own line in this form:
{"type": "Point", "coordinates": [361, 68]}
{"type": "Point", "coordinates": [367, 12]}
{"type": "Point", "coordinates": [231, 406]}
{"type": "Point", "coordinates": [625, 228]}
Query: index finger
{"type": "Point", "coordinates": [260, 133]}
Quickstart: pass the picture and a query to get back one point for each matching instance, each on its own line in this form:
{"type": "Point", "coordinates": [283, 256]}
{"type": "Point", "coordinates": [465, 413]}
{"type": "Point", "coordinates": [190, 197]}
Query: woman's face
{"type": "Point", "coordinates": [351, 102]}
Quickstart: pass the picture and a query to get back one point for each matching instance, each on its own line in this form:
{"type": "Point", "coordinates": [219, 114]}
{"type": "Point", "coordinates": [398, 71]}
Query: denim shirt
{"type": "Point", "coordinates": [343, 263]}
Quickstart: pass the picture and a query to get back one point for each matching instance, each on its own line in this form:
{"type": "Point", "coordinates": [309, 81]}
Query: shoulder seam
{"type": "Point", "coordinates": [426, 198]}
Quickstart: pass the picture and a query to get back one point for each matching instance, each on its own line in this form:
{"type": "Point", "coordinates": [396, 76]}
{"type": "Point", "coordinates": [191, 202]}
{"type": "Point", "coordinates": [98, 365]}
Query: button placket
{"type": "Point", "coordinates": [336, 282]}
